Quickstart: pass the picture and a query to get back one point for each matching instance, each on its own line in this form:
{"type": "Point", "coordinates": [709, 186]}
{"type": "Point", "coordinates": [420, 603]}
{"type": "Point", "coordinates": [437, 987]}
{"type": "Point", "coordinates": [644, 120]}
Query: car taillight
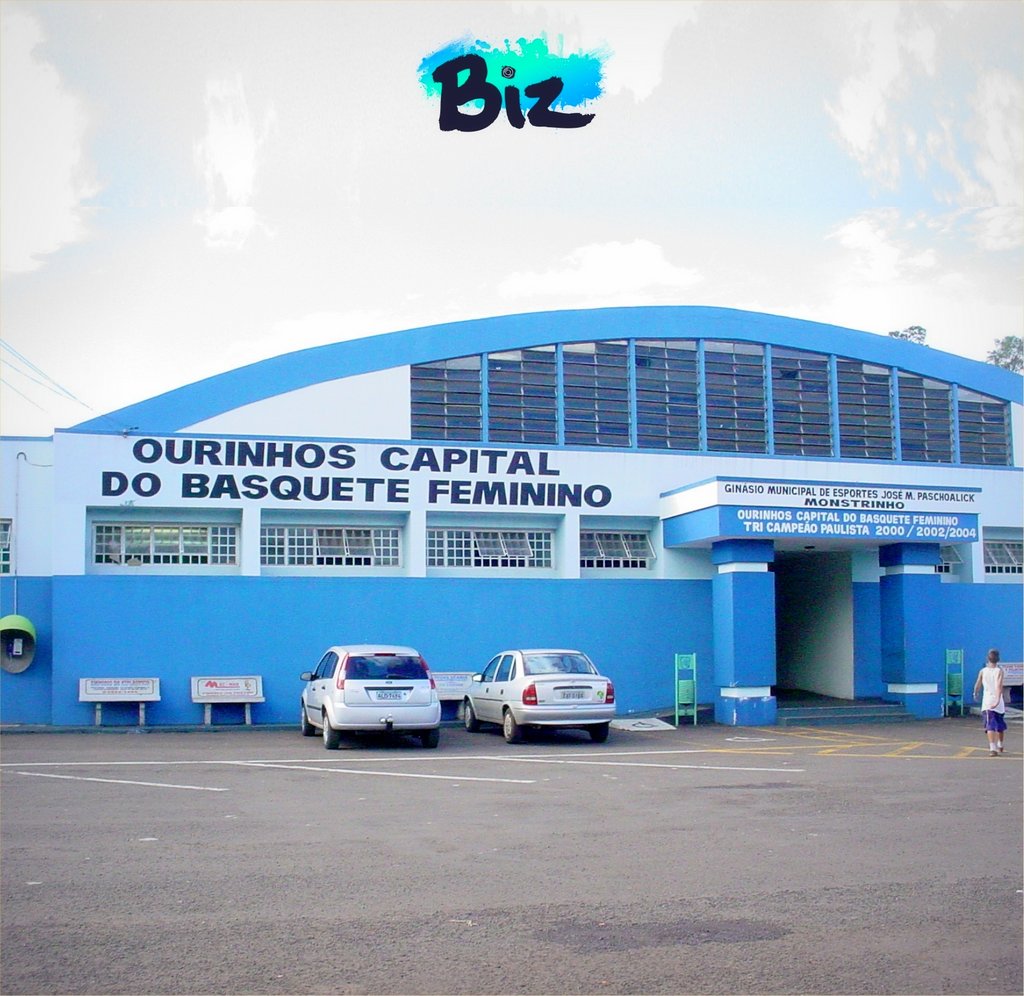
{"type": "Point", "coordinates": [339, 681]}
{"type": "Point", "coordinates": [530, 695]}
{"type": "Point", "coordinates": [609, 695]}
{"type": "Point", "coordinates": [433, 684]}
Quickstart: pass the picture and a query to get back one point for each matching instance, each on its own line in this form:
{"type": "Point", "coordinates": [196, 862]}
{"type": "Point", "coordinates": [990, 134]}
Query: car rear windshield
{"type": "Point", "coordinates": [374, 668]}
{"type": "Point", "coordinates": [557, 664]}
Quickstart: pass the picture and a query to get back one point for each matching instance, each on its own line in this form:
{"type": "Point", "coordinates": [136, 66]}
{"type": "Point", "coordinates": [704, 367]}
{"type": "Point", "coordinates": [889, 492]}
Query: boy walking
{"type": "Point", "coordinates": [990, 679]}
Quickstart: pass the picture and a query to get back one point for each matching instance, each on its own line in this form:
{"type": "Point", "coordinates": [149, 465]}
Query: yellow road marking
{"type": "Point", "coordinates": [842, 743]}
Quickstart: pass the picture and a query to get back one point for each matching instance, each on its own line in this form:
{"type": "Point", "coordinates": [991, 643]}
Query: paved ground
{"type": "Point", "coordinates": [867, 859]}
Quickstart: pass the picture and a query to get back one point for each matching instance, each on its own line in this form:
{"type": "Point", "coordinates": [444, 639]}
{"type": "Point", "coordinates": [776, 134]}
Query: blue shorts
{"type": "Point", "coordinates": [994, 721]}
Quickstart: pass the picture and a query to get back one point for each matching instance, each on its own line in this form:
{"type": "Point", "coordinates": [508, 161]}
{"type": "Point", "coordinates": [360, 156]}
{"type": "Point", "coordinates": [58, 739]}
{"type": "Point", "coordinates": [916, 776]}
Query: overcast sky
{"type": "Point", "coordinates": [189, 187]}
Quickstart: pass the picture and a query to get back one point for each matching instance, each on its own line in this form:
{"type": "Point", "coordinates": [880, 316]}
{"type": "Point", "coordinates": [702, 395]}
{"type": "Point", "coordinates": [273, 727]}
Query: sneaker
{"type": "Point", "coordinates": [993, 753]}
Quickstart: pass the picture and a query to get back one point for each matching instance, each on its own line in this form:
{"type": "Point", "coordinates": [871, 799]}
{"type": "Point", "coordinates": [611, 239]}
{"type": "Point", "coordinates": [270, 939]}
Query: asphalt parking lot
{"type": "Point", "coordinates": [858, 859]}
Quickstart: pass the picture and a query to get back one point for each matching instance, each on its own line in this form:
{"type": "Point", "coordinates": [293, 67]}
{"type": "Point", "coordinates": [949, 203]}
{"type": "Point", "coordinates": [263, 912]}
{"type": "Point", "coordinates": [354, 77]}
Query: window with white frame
{"type": "Point", "coordinates": [135, 544]}
{"type": "Point", "coordinates": [949, 560]}
{"type": "Point", "coordinates": [1004, 557]}
{"type": "Point", "coordinates": [5, 546]}
{"type": "Point", "coordinates": [615, 549]}
{"type": "Point", "coordinates": [330, 546]}
{"type": "Point", "coordinates": [489, 548]}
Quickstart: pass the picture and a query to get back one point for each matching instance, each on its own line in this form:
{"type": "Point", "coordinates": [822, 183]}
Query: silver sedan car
{"type": "Point", "coordinates": [520, 689]}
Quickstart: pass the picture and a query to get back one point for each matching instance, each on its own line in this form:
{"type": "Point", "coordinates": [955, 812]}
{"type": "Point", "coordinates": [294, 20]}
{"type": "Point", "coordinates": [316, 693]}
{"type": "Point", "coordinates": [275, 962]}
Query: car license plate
{"type": "Point", "coordinates": [575, 693]}
{"type": "Point", "coordinates": [389, 696]}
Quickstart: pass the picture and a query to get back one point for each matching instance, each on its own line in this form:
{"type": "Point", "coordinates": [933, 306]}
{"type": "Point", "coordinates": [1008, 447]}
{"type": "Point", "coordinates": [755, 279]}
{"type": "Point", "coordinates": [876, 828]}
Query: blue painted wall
{"type": "Point", "coordinates": [25, 697]}
{"type": "Point", "coordinates": [177, 627]}
{"type": "Point", "coordinates": [867, 641]}
{"type": "Point", "coordinates": [977, 617]}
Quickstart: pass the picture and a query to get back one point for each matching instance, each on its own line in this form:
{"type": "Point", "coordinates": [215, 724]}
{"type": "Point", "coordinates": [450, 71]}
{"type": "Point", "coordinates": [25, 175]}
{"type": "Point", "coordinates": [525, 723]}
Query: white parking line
{"type": "Point", "coordinates": [122, 781]}
{"type": "Point", "coordinates": [382, 774]}
{"type": "Point", "coordinates": [589, 757]}
{"type": "Point", "coordinates": [404, 757]}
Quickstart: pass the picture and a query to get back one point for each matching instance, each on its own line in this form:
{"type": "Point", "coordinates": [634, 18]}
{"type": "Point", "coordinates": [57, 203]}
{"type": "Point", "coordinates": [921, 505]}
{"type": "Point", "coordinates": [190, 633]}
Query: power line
{"type": "Point", "coordinates": [25, 396]}
{"type": "Point", "coordinates": [42, 373]}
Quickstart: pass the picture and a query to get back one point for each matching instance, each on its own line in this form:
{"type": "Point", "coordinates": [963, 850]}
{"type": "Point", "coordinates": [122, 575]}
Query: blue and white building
{"type": "Point", "coordinates": [802, 506]}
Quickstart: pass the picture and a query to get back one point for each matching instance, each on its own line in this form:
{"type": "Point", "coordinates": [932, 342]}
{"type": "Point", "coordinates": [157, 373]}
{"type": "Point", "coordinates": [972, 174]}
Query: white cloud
{"type": "Point", "coordinates": [878, 252]}
{"type": "Point", "coordinates": [228, 158]}
{"type": "Point", "coordinates": [609, 270]}
{"type": "Point", "coordinates": [44, 179]}
{"type": "Point", "coordinates": [999, 104]}
{"type": "Point", "coordinates": [862, 114]}
{"type": "Point", "coordinates": [640, 31]}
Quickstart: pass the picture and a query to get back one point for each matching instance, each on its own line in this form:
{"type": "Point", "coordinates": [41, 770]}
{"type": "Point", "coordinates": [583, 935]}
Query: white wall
{"type": "Point", "coordinates": [26, 498]}
{"type": "Point", "coordinates": [366, 406]}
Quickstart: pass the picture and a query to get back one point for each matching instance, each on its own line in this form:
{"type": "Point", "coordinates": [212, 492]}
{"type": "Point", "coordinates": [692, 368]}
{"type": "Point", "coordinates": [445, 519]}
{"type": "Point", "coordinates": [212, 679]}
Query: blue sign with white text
{"type": "Point", "coordinates": [918, 527]}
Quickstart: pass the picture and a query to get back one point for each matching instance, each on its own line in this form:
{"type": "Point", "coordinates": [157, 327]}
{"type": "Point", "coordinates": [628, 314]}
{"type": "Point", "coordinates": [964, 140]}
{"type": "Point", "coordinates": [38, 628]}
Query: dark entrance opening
{"type": "Point", "coordinates": [813, 626]}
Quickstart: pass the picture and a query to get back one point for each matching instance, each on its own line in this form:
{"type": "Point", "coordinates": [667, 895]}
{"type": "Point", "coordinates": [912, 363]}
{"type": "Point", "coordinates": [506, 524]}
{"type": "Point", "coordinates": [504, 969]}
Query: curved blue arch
{"type": "Point", "coordinates": [213, 396]}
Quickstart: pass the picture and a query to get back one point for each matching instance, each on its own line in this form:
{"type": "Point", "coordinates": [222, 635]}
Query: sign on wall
{"type": "Point", "coordinates": [774, 509]}
{"type": "Point", "coordinates": [119, 690]}
{"type": "Point", "coordinates": [245, 470]}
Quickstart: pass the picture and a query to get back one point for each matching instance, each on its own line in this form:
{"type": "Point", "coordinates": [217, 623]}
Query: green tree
{"type": "Point", "coordinates": [913, 333]}
{"type": "Point", "coordinates": [1008, 353]}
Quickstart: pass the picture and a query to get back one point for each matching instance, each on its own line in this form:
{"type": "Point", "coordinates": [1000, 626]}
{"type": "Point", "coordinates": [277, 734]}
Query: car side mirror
{"type": "Point", "coordinates": [306, 676]}
{"type": "Point", "coordinates": [478, 677]}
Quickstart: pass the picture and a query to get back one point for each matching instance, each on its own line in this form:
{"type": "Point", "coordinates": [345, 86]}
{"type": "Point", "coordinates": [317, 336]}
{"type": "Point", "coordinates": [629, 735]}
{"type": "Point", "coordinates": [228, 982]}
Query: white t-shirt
{"type": "Point", "coordinates": [990, 696]}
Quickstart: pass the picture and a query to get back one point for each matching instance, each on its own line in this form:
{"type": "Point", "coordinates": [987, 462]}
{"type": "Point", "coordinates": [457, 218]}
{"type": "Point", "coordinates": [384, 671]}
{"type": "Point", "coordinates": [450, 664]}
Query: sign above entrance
{"type": "Point", "coordinates": [817, 494]}
{"type": "Point", "coordinates": [767, 509]}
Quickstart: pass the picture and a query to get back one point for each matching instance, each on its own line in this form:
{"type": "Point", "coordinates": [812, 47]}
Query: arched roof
{"type": "Point", "coordinates": [213, 396]}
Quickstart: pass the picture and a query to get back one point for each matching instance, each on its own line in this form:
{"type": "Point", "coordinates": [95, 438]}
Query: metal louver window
{"type": "Point", "coordinates": [926, 419]}
{"type": "Point", "coordinates": [984, 429]}
{"type": "Point", "coordinates": [596, 393]}
{"type": "Point", "coordinates": [865, 410]}
{"type": "Point", "coordinates": [522, 395]}
{"type": "Point", "coordinates": [735, 397]}
{"type": "Point", "coordinates": [667, 394]}
{"type": "Point", "coordinates": [445, 400]}
{"type": "Point", "coordinates": [801, 413]}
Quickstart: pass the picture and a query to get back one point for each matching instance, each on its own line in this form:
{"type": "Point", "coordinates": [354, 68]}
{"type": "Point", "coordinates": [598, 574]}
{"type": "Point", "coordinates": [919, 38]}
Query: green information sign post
{"type": "Point", "coordinates": [953, 697]}
{"type": "Point", "coordinates": [686, 687]}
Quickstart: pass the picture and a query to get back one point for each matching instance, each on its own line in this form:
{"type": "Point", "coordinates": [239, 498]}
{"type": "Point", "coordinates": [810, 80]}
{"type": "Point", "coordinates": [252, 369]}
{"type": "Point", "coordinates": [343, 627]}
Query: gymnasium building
{"type": "Point", "coordinates": [808, 510]}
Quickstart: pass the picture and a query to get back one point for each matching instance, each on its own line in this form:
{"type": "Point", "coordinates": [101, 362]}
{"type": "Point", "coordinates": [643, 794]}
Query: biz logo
{"type": "Point", "coordinates": [473, 83]}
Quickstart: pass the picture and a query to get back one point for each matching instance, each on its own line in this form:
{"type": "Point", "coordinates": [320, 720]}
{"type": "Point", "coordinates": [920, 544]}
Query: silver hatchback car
{"type": "Point", "coordinates": [370, 688]}
{"type": "Point", "coordinates": [520, 689]}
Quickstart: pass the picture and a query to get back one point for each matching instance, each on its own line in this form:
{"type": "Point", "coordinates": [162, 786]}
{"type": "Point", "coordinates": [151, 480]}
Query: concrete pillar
{"type": "Point", "coordinates": [913, 669]}
{"type": "Point", "coordinates": [743, 616]}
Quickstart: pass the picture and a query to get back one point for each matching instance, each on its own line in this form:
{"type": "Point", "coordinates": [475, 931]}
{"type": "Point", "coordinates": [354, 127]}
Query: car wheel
{"type": "Point", "coordinates": [332, 737]}
{"type": "Point", "coordinates": [598, 732]}
{"type": "Point", "coordinates": [307, 728]}
{"type": "Point", "coordinates": [469, 717]}
{"type": "Point", "coordinates": [430, 738]}
{"type": "Point", "coordinates": [512, 730]}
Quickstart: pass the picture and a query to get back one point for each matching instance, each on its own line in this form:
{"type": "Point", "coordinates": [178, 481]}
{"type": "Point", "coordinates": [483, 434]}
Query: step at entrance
{"type": "Point", "coordinates": [823, 711]}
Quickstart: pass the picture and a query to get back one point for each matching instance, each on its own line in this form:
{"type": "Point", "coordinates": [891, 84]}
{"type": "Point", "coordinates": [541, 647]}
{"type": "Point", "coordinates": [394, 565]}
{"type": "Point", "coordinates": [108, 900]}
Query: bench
{"type": "Point", "coordinates": [243, 689]}
{"type": "Point", "coordinates": [100, 690]}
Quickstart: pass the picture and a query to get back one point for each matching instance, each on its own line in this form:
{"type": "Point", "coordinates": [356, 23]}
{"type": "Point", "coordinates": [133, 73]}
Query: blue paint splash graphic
{"type": "Point", "coordinates": [525, 62]}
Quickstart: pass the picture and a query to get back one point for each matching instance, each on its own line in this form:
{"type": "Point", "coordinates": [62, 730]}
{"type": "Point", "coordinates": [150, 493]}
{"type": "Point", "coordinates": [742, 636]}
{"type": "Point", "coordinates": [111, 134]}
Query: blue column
{"type": "Point", "coordinates": [912, 652]}
{"type": "Point", "coordinates": [743, 618]}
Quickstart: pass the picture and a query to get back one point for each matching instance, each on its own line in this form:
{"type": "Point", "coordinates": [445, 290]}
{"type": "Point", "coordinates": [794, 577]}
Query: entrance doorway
{"type": "Point", "coordinates": [813, 625]}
